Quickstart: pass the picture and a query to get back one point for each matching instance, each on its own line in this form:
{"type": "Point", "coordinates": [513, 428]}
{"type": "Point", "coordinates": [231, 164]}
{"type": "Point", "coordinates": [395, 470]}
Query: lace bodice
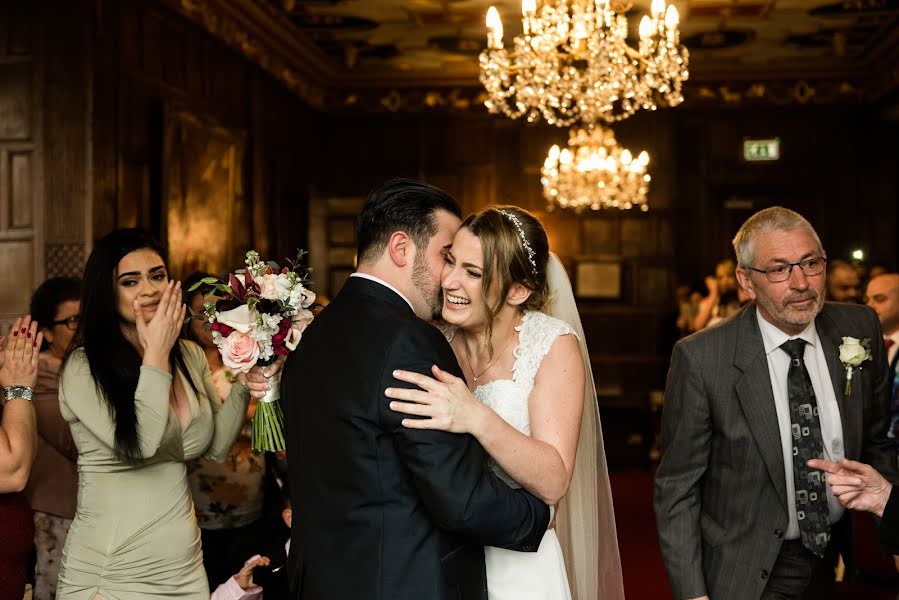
{"type": "Point", "coordinates": [509, 397]}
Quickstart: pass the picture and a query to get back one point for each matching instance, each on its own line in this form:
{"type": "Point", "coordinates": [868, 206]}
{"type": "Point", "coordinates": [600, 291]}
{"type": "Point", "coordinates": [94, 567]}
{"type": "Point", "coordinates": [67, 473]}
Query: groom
{"type": "Point", "coordinates": [382, 511]}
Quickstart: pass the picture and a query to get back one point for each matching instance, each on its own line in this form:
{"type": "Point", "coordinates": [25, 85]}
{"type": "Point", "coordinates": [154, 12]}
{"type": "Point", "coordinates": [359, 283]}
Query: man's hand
{"type": "Point", "coordinates": [855, 485]}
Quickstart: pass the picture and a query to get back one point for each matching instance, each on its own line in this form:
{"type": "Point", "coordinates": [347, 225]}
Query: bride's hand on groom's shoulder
{"type": "Point", "coordinates": [443, 402]}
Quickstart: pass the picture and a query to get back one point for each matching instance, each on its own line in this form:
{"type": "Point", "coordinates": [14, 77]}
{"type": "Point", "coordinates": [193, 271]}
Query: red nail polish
{"type": "Point", "coordinates": [28, 334]}
{"type": "Point", "coordinates": [15, 333]}
{"type": "Point", "coordinates": [24, 330]}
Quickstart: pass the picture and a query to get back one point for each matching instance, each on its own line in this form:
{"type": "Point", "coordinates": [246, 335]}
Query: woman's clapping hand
{"type": "Point", "coordinates": [18, 362]}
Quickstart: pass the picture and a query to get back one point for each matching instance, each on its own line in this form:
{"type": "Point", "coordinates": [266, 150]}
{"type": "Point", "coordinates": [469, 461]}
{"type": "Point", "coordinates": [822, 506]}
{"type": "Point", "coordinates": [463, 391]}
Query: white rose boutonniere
{"type": "Point", "coordinates": [853, 352]}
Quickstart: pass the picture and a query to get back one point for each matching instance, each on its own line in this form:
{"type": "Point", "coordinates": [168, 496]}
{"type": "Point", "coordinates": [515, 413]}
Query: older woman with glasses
{"type": "Point", "coordinates": [53, 484]}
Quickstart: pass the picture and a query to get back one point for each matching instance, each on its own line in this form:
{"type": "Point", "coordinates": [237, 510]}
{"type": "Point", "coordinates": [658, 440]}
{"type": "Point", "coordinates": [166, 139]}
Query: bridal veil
{"type": "Point", "coordinates": [586, 520]}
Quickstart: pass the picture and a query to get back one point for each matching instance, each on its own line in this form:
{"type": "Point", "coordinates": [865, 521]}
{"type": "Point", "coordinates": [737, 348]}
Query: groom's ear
{"type": "Point", "coordinates": [518, 294]}
{"type": "Point", "coordinates": [400, 248]}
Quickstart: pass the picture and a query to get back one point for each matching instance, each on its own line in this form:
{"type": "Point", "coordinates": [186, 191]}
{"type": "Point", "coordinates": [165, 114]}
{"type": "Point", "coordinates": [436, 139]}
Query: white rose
{"type": "Point", "coordinates": [240, 319]}
{"type": "Point", "coordinates": [283, 287]}
{"type": "Point", "coordinates": [852, 353]}
{"type": "Point", "coordinates": [300, 297]}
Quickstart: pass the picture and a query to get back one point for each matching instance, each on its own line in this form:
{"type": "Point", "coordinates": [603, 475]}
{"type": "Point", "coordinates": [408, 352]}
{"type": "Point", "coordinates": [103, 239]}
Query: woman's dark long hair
{"type": "Point", "coordinates": [114, 362]}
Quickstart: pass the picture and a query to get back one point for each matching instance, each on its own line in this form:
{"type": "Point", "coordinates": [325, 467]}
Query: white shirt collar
{"type": "Point", "coordinates": [773, 337]}
{"type": "Point", "coordinates": [385, 284]}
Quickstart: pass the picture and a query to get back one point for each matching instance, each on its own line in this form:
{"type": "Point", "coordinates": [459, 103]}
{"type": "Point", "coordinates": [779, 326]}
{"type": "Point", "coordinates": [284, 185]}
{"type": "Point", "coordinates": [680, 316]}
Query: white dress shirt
{"type": "Point", "coordinates": [385, 284]}
{"type": "Point", "coordinates": [828, 409]}
{"type": "Point", "coordinates": [891, 353]}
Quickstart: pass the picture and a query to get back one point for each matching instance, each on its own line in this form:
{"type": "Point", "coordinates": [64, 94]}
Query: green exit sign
{"type": "Point", "coordinates": [761, 150]}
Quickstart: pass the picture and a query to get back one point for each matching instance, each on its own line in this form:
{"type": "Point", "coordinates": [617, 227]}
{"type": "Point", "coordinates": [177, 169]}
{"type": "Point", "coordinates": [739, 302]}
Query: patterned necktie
{"type": "Point", "coordinates": [811, 494]}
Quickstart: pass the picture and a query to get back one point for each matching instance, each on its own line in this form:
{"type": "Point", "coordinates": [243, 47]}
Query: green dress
{"type": "Point", "coordinates": [135, 536]}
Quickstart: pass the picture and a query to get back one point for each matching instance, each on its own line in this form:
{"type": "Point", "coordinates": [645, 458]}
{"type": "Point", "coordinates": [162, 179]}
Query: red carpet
{"type": "Point", "coordinates": [641, 559]}
{"type": "Point", "coordinates": [638, 542]}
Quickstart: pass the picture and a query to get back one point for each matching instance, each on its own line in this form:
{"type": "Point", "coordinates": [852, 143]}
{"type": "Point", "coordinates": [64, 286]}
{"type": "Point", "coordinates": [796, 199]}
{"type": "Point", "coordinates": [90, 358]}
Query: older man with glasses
{"type": "Point", "coordinates": [790, 378]}
{"type": "Point", "coordinates": [52, 487]}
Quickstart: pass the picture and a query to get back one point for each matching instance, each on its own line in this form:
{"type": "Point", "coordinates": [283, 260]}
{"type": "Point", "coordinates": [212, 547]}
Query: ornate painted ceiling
{"type": "Point", "coordinates": [334, 50]}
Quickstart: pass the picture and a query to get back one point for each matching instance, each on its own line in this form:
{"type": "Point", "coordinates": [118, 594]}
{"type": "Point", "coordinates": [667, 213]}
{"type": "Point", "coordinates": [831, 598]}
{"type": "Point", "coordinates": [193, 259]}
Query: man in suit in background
{"type": "Point", "coordinates": [883, 296]}
{"type": "Point", "coordinates": [741, 516]}
{"type": "Point", "coordinates": [381, 511]}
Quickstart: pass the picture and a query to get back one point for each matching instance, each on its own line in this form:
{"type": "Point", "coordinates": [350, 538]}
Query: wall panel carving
{"type": "Point", "coordinates": [16, 84]}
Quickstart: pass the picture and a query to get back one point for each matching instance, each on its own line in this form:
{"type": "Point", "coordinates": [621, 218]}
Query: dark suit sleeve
{"type": "Point", "coordinates": [447, 469]}
{"type": "Point", "coordinates": [888, 532]}
{"type": "Point", "coordinates": [878, 450]}
{"type": "Point", "coordinates": [686, 437]}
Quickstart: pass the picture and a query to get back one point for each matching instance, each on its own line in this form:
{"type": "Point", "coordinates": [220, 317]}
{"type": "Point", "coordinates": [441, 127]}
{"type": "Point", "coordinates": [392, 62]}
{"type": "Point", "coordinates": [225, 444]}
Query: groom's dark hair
{"type": "Point", "coordinates": [400, 205]}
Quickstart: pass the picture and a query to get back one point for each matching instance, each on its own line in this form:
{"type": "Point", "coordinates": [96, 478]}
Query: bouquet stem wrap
{"type": "Point", "coordinates": [268, 422]}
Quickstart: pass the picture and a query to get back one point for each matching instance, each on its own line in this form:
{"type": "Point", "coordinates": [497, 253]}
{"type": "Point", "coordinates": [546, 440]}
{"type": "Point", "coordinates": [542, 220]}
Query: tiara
{"type": "Point", "coordinates": [524, 240]}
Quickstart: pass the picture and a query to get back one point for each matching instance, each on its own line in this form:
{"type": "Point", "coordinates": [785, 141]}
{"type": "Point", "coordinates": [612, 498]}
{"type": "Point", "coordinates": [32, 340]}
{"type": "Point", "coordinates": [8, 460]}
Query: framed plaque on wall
{"type": "Point", "coordinates": [598, 279]}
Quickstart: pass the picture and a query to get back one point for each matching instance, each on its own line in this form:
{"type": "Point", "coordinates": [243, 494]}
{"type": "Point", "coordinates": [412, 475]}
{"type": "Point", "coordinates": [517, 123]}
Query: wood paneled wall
{"type": "Point", "coordinates": [44, 144]}
{"type": "Point", "coordinates": [151, 63]}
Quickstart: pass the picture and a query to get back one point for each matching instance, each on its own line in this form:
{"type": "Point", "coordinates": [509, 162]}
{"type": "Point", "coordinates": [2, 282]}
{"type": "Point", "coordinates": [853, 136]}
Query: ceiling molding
{"type": "Point", "coordinates": [259, 35]}
{"type": "Point", "coordinates": [262, 32]}
{"type": "Point", "coordinates": [723, 93]}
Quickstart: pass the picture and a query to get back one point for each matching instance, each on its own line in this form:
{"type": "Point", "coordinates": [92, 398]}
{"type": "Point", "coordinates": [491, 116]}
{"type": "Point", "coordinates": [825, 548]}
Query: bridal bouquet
{"type": "Point", "coordinates": [257, 316]}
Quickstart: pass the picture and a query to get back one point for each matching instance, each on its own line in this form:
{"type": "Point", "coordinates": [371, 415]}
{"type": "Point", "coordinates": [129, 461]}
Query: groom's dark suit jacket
{"type": "Point", "coordinates": [380, 511]}
{"type": "Point", "coordinates": [720, 492]}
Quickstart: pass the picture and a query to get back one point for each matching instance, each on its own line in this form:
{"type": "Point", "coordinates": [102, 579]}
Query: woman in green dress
{"type": "Point", "coordinates": [139, 403]}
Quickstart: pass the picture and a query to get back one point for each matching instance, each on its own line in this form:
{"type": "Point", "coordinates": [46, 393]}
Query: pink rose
{"type": "Point", "coordinates": [267, 288]}
{"type": "Point", "coordinates": [239, 352]}
{"type": "Point", "coordinates": [300, 321]}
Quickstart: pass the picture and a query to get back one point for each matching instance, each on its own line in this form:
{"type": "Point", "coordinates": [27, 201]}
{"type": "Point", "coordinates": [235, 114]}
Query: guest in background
{"type": "Point", "coordinates": [729, 304]}
{"type": "Point", "coordinates": [722, 282]}
{"type": "Point", "coordinates": [241, 586]}
{"type": "Point", "coordinates": [18, 446]}
{"type": "Point", "coordinates": [877, 270]}
{"type": "Point", "coordinates": [228, 496]}
{"type": "Point", "coordinates": [882, 295]}
{"type": "Point", "coordinates": [53, 484]}
{"type": "Point", "coordinates": [843, 282]}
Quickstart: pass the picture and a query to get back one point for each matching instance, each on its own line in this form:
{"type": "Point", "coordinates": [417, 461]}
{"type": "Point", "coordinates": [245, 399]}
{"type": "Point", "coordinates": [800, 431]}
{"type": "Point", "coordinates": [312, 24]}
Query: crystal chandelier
{"type": "Point", "coordinates": [595, 172]}
{"type": "Point", "coordinates": [573, 63]}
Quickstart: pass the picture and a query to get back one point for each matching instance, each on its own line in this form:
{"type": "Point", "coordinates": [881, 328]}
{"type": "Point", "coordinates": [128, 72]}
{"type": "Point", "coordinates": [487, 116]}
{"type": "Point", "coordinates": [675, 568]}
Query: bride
{"type": "Point", "coordinates": [528, 397]}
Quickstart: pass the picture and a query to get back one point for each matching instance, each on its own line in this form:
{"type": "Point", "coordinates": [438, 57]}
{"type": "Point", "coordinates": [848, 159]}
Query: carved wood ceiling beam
{"type": "Point", "coordinates": [262, 37]}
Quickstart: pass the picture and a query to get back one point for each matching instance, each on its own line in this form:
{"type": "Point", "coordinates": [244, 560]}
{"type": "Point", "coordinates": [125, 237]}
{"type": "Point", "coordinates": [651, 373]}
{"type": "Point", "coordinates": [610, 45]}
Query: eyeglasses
{"type": "Point", "coordinates": [70, 322]}
{"type": "Point", "coordinates": [779, 273]}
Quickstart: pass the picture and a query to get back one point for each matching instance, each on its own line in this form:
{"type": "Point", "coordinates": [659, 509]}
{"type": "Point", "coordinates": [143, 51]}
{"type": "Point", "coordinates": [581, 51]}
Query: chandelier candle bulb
{"type": "Point", "coordinates": [672, 19]}
{"type": "Point", "coordinates": [494, 29]}
{"type": "Point", "coordinates": [645, 28]}
{"type": "Point", "coordinates": [657, 8]}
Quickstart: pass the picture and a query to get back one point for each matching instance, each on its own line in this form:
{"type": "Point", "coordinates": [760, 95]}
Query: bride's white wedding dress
{"type": "Point", "coordinates": [524, 575]}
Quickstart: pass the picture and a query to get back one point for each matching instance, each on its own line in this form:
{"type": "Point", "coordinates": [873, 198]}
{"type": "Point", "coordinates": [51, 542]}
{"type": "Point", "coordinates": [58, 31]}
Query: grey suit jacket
{"type": "Point", "coordinates": [720, 494]}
